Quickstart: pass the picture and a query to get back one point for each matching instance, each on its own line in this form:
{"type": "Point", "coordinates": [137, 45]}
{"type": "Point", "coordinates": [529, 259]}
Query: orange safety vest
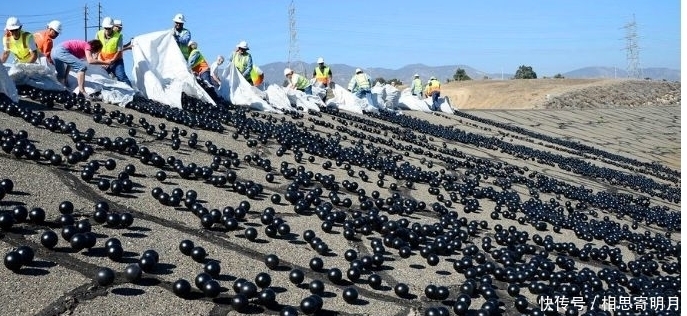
{"type": "Point", "coordinates": [43, 42]}
{"type": "Point", "coordinates": [200, 66]}
{"type": "Point", "coordinates": [110, 49]}
{"type": "Point", "coordinates": [19, 47]}
{"type": "Point", "coordinates": [322, 75]}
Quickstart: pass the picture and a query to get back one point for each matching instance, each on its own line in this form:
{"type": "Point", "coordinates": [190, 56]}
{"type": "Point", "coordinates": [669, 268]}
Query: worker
{"type": "Point", "coordinates": [214, 71]}
{"type": "Point", "coordinates": [44, 40]}
{"type": "Point", "coordinates": [181, 35]}
{"type": "Point", "coordinates": [323, 74]}
{"type": "Point", "coordinates": [416, 86]}
{"type": "Point", "coordinates": [297, 81]}
{"type": "Point", "coordinates": [197, 64]}
{"type": "Point", "coordinates": [18, 42]}
{"type": "Point", "coordinates": [360, 84]}
{"type": "Point", "coordinates": [70, 55]}
{"type": "Point", "coordinates": [433, 90]}
{"type": "Point", "coordinates": [112, 52]}
{"type": "Point", "coordinates": [243, 61]}
{"type": "Point", "coordinates": [118, 29]}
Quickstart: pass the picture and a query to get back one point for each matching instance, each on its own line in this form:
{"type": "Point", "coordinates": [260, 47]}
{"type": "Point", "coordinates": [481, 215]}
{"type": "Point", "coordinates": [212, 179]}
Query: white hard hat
{"type": "Point", "coordinates": [117, 22]}
{"type": "Point", "coordinates": [179, 18]}
{"type": "Point", "coordinates": [242, 44]}
{"type": "Point", "coordinates": [287, 71]}
{"type": "Point", "coordinates": [433, 78]}
{"type": "Point", "coordinates": [107, 22]}
{"type": "Point", "coordinates": [12, 24]}
{"type": "Point", "coordinates": [320, 60]}
{"type": "Point", "coordinates": [417, 75]}
{"type": "Point", "coordinates": [358, 70]}
{"type": "Point", "coordinates": [55, 25]}
{"type": "Point", "coordinates": [191, 43]}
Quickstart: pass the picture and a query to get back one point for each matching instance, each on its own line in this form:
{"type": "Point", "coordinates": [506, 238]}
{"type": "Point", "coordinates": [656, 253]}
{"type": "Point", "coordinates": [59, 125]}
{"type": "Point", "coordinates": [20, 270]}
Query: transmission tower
{"type": "Point", "coordinates": [294, 61]}
{"type": "Point", "coordinates": [632, 49]}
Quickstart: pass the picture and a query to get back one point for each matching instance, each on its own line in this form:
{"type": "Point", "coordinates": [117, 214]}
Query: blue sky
{"type": "Point", "coordinates": [491, 36]}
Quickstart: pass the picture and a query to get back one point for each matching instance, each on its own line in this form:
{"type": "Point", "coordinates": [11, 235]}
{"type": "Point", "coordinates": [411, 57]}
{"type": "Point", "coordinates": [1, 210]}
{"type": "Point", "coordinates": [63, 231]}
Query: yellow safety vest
{"type": "Point", "coordinates": [322, 75]}
{"type": "Point", "coordinates": [301, 83]}
{"type": "Point", "coordinates": [363, 83]}
{"type": "Point", "coordinates": [110, 48]}
{"type": "Point", "coordinates": [200, 65]}
{"type": "Point", "coordinates": [417, 85]}
{"type": "Point", "coordinates": [239, 61]}
{"type": "Point", "coordinates": [20, 47]}
{"type": "Point", "coordinates": [433, 85]}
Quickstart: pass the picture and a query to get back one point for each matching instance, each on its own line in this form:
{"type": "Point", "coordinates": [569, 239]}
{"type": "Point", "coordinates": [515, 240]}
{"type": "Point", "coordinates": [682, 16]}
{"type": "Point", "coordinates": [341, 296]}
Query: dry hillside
{"type": "Point", "coordinates": [560, 93]}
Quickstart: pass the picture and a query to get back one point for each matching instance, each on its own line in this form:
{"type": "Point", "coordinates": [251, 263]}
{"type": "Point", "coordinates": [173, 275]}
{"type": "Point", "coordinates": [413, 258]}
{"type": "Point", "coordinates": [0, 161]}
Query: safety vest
{"type": "Point", "coordinates": [43, 42]}
{"type": "Point", "coordinates": [110, 49]}
{"type": "Point", "coordinates": [239, 61]}
{"type": "Point", "coordinates": [200, 65]}
{"type": "Point", "coordinates": [322, 75]}
{"type": "Point", "coordinates": [417, 85]}
{"type": "Point", "coordinates": [20, 47]}
{"type": "Point", "coordinates": [433, 85]}
{"type": "Point", "coordinates": [361, 80]}
{"type": "Point", "coordinates": [301, 82]}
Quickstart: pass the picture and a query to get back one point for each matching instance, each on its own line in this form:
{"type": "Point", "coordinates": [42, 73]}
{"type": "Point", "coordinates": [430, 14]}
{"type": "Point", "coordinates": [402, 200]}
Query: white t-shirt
{"type": "Point", "coordinates": [214, 69]}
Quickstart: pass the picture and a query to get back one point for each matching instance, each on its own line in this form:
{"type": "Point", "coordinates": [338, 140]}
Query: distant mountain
{"type": "Point", "coordinates": [342, 73]}
{"type": "Point", "coordinates": [613, 72]}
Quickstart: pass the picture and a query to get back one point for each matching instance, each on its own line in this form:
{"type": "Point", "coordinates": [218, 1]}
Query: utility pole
{"type": "Point", "coordinates": [85, 20]}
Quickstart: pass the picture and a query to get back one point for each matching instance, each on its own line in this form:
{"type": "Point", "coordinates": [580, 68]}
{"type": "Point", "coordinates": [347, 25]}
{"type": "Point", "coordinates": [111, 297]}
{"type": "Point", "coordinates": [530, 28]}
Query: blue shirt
{"type": "Point", "coordinates": [182, 37]}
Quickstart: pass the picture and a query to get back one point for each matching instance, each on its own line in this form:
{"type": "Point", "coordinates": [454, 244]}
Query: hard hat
{"type": "Point", "coordinates": [55, 25]}
{"type": "Point", "coordinates": [358, 70]}
{"type": "Point", "coordinates": [287, 71]}
{"type": "Point", "coordinates": [107, 22]}
{"type": "Point", "coordinates": [117, 23]}
{"type": "Point", "coordinates": [12, 24]}
{"type": "Point", "coordinates": [191, 43]}
{"type": "Point", "coordinates": [179, 18]}
{"type": "Point", "coordinates": [417, 75]}
{"type": "Point", "coordinates": [433, 78]}
{"type": "Point", "coordinates": [320, 60]}
{"type": "Point", "coordinates": [242, 44]}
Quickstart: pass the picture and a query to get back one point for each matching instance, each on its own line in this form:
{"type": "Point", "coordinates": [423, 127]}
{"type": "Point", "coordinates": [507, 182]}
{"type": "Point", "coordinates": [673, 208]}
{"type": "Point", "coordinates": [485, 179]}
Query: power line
{"type": "Point", "coordinates": [294, 49]}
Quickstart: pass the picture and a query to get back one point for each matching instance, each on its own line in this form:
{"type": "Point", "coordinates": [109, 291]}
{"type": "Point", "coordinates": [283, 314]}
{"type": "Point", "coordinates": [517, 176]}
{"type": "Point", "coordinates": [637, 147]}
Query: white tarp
{"type": "Point", "coordinates": [347, 101]}
{"type": "Point", "coordinates": [238, 91]}
{"type": "Point", "coordinates": [35, 75]}
{"type": "Point", "coordinates": [160, 72]}
{"type": "Point", "coordinates": [7, 86]}
{"type": "Point", "coordinates": [391, 96]}
{"type": "Point", "coordinates": [278, 98]}
{"type": "Point", "coordinates": [304, 101]}
{"type": "Point", "coordinates": [408, 101]}
{"type": "Point", "coordinates": [97, 81]}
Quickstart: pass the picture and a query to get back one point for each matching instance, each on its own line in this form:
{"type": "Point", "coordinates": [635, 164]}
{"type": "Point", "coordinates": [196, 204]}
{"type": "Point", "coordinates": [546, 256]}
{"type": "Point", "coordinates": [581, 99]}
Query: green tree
{"type": "Point", "coordinates": [461, 75]}
{"type": "Point", "coordinates": [380, 80]}
{"type": "Point", "coordinates": [525, 72]}
{"type": "Point", "coordinates": [558, 76]}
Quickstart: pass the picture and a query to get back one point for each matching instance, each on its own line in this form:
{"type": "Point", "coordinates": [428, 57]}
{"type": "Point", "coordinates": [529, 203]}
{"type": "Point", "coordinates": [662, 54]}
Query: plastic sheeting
{"type": "Point", "coordinates": [238, 91]}
{"type": "Point", "coordinates": [97, 81]}
{"type": "Point", "coordinates": [408, 101]}
{"type": "Point", "coordinates": [160, 72]}
{"type": "Point", "coordinates": [347, 101]}
{"type": "Point", "coordinates": [7, 86]}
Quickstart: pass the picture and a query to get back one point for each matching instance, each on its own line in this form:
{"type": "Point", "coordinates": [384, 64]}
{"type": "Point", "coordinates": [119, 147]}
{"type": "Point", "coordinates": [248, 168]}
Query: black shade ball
{"type": "Point", "coordinates": [13, 261]}
{"type": "Point", "coordinates": [181, 288]}
{"type": "Point", "coordinates": [105, 276]}
{"type": "Point", "coordinates": [49, 239]}
{"type": "Point", "coordinates": [296, 276]}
